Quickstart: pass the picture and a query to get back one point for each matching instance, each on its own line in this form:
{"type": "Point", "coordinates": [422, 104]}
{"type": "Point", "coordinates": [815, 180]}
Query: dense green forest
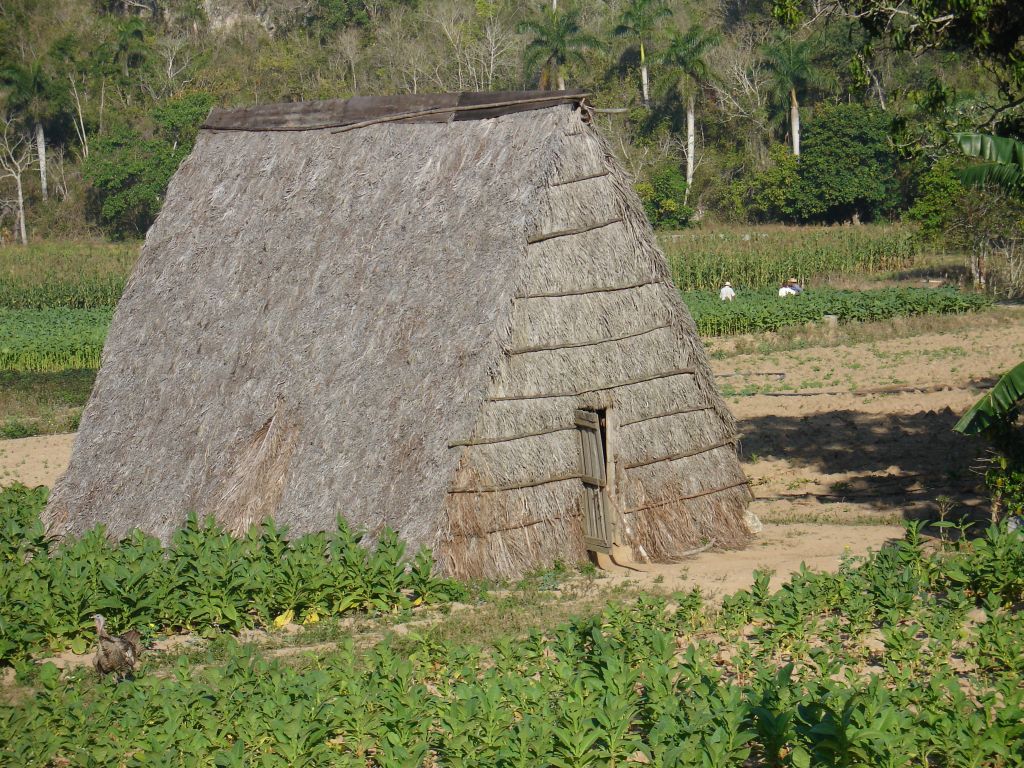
{"type": "Point", "coordinates": [742, 110]}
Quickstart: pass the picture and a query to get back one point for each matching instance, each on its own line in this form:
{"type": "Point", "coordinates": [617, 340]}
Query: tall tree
{"type": "Point", "coordinates": [687, 52]}
{"type": "Point", "coordinates": [792, 70]}
{"type": "Point", "coordinates": [557, 40]}
{"type": "Point", "coordinates": [15, 160]}
{"type": "Point", "coordinates": [639, 20]}
{"type": "Point", "coordinates": [29, 95]}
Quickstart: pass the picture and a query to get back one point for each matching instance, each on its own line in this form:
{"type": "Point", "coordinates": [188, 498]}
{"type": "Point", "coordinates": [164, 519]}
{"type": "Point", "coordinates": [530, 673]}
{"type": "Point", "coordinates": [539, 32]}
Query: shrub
{"type": "Point", "coordinates": [771, 194]}
{"type": "Point", "coordinates": [847, 167]}
{"type": "Point", "coordinates": [129, 173]}
{"type": "Point", "coordinates": [664, 197]}
{"type": "Point", "coordinates": [939, 195]}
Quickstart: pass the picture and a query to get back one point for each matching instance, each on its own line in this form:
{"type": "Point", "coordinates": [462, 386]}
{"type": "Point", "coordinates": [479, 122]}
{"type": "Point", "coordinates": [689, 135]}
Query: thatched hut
{"type": "Point", "coordinates": [445, 314]}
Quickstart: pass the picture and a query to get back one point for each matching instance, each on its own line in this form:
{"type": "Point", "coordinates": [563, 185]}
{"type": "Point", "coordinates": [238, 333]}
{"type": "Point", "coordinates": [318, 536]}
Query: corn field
{"type": "Point", "coordinates": [64, 275]}
{"type": "Point", "coordinates": [760, 257]}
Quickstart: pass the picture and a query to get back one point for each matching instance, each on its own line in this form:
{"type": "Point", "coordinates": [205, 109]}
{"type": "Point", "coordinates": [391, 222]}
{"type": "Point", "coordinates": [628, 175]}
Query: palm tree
{"type": "Point", "coordinates": [639, 20]}
{"type": "Point", "coordinates": [686, 52]}
{"type": "Point", "coordinates": [791, 66]}
{"type": "Point", "coordinates": [28, 94]}
{"type": "Point", "coordinates": [130, 45]}
{"type": "Point", "coordinates": [557, 41]}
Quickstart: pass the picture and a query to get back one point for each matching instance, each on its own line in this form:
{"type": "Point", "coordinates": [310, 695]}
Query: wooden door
{"type": "Point", "coordinates": [598, 525]}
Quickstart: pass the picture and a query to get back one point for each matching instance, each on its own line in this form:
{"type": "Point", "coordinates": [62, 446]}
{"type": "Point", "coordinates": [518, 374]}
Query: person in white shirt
{"type": "Point", "coordinates": [794, 286]}
{"type": "Point", "coordinates": [727, 293]}
{"type": "Point", "coordinates": [786, 290]}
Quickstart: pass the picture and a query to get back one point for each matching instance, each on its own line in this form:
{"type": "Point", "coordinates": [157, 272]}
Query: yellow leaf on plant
{"type": "Point", "coordinates": [311, 618]}
{"type": "Point", "coordinates": [284, 618]}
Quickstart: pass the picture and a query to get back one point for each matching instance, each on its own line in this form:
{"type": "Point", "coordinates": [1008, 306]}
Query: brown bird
{"type": "Point", "coordinates": [116, 654]}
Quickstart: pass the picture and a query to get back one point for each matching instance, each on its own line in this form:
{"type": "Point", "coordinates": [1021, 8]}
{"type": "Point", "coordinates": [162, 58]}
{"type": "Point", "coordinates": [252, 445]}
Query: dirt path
{"type": "Point", "coordinates": [780, 548]}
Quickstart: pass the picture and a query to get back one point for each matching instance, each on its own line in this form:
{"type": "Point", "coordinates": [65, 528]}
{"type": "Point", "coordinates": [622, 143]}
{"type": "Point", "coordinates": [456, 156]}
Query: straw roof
{"type": "Point", "coordinates": [395, 322]}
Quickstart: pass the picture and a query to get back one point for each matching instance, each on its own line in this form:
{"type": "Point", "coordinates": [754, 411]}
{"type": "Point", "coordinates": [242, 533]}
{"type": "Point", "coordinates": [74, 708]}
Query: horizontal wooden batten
{"type": "Point", "coordinates": [589, 177]}
{"type": "Point", "coordinates": [578, 393]}
{"type": "Point", "coordinates": [507, 438]}
{"type": "Point", "coordinates": [517, 486]}
{"type": "Point", "coordinates": [709, 492]}
{"type": "Point", "coordinates": [666, 414]}
{"type": "Point", "coordinates": [683, 454]}
{"type": "Point", "coordinates": [574, 231]}
{"type": "Point", "coordinates": [589, 343]}
{"type": "Point", "coordinates": [592, 289]}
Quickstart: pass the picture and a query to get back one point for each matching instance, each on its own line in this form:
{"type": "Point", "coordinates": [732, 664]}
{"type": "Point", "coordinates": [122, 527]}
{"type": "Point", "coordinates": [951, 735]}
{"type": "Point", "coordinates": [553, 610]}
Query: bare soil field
{"type": "Point", "coordinates": [862, 433]}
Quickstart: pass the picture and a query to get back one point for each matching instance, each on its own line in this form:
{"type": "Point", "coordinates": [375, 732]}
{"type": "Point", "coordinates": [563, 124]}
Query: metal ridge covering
{"type": "Point", "coordinates": [421, 108]}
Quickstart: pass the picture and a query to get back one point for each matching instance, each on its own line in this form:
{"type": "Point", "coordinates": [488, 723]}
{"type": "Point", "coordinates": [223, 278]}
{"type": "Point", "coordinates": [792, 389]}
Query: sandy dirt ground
{"type": "Point", "coordinates": [863, 433]}
{"type": "Point", "coordinates": [780, 548]}
{"type": "Point", "coordinates": [35, 460]}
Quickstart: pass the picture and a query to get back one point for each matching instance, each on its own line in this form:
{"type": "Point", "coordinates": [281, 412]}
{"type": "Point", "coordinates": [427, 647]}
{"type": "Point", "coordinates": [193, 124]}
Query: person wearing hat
{"type": "Point", "coordinates": [790, 288]}
{"type": "Point", "coordinates": [727, 293]}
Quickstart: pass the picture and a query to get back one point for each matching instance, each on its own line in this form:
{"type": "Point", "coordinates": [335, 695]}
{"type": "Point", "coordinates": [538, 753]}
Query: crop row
{"type": "Point", "coordinates": [64, 275]}
{"type": "Point", "coordinates": [50, 340]}
{"type": "Point", "coordinates": [886, 663]}
{"type": "Point", "coordinates": [760, 257]}
{"type": "Point", "coordinates": [760, 311]}
{"type": "Point", "coordinates": [205, 581]}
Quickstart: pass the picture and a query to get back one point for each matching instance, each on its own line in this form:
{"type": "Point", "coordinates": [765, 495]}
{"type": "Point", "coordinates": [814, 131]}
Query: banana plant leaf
{"type": "Point", "coordinates": [997, 406]}
{"type": "Point", "coordinates": [1003, 160]}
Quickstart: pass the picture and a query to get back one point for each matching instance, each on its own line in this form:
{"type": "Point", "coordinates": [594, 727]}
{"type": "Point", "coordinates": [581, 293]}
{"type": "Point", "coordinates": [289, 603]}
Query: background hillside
{"type": "Point", "coordinates": [115, 89]}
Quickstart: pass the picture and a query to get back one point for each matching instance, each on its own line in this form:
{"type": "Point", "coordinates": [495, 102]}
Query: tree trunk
{"type": "Point", "coordinates": [41, 147]}
{"type": "Point", "coordinates": [794, 121]}
{"type": "Point", "coordinates": [21, 209]}
{"type": "Point", "coordinates": [561, 80]}
{"type": "Point", "coordinates": [643, 75]}
{"type": "Point", "coordinates": [691, 144]}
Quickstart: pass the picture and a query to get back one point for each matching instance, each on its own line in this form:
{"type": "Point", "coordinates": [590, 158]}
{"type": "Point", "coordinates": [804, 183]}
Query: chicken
{"type": "Point", "coordinates": [116, 654]}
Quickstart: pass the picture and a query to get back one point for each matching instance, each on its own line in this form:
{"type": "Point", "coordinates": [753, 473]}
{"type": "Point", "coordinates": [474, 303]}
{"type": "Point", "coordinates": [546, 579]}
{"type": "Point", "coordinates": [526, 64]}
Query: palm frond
{"type": "Point", "coordinates": [993, 149]}
{"type": "Point", "coordinates": [1003, 159]}
{"type": "Point", "coordinates": [997, 406]}
{"type": "Point", "coordinates": [997, 174]}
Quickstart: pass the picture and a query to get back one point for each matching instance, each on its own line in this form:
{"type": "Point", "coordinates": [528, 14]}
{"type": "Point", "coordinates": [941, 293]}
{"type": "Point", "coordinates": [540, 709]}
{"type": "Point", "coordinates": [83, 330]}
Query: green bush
{"type": "Point", "coordinates": [847, 169]}
{"type": "Point", "coordinates": [770, 195]}
{"type": "Point", "coordinates": [664, 197]}
{"type": "Point", "coordinates": [939, 195]}
{"type": "Point", "coordinates": [129, 172]}
{"type": "Point", "coordinates": [1005, 482]}
{"type": "Point", "coordinates": [847, 165]}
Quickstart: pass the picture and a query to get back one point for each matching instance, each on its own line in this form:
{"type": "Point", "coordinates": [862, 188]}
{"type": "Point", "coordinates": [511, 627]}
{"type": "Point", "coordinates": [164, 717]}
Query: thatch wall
{"type": "Point", "coordinates": [596, 323]}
